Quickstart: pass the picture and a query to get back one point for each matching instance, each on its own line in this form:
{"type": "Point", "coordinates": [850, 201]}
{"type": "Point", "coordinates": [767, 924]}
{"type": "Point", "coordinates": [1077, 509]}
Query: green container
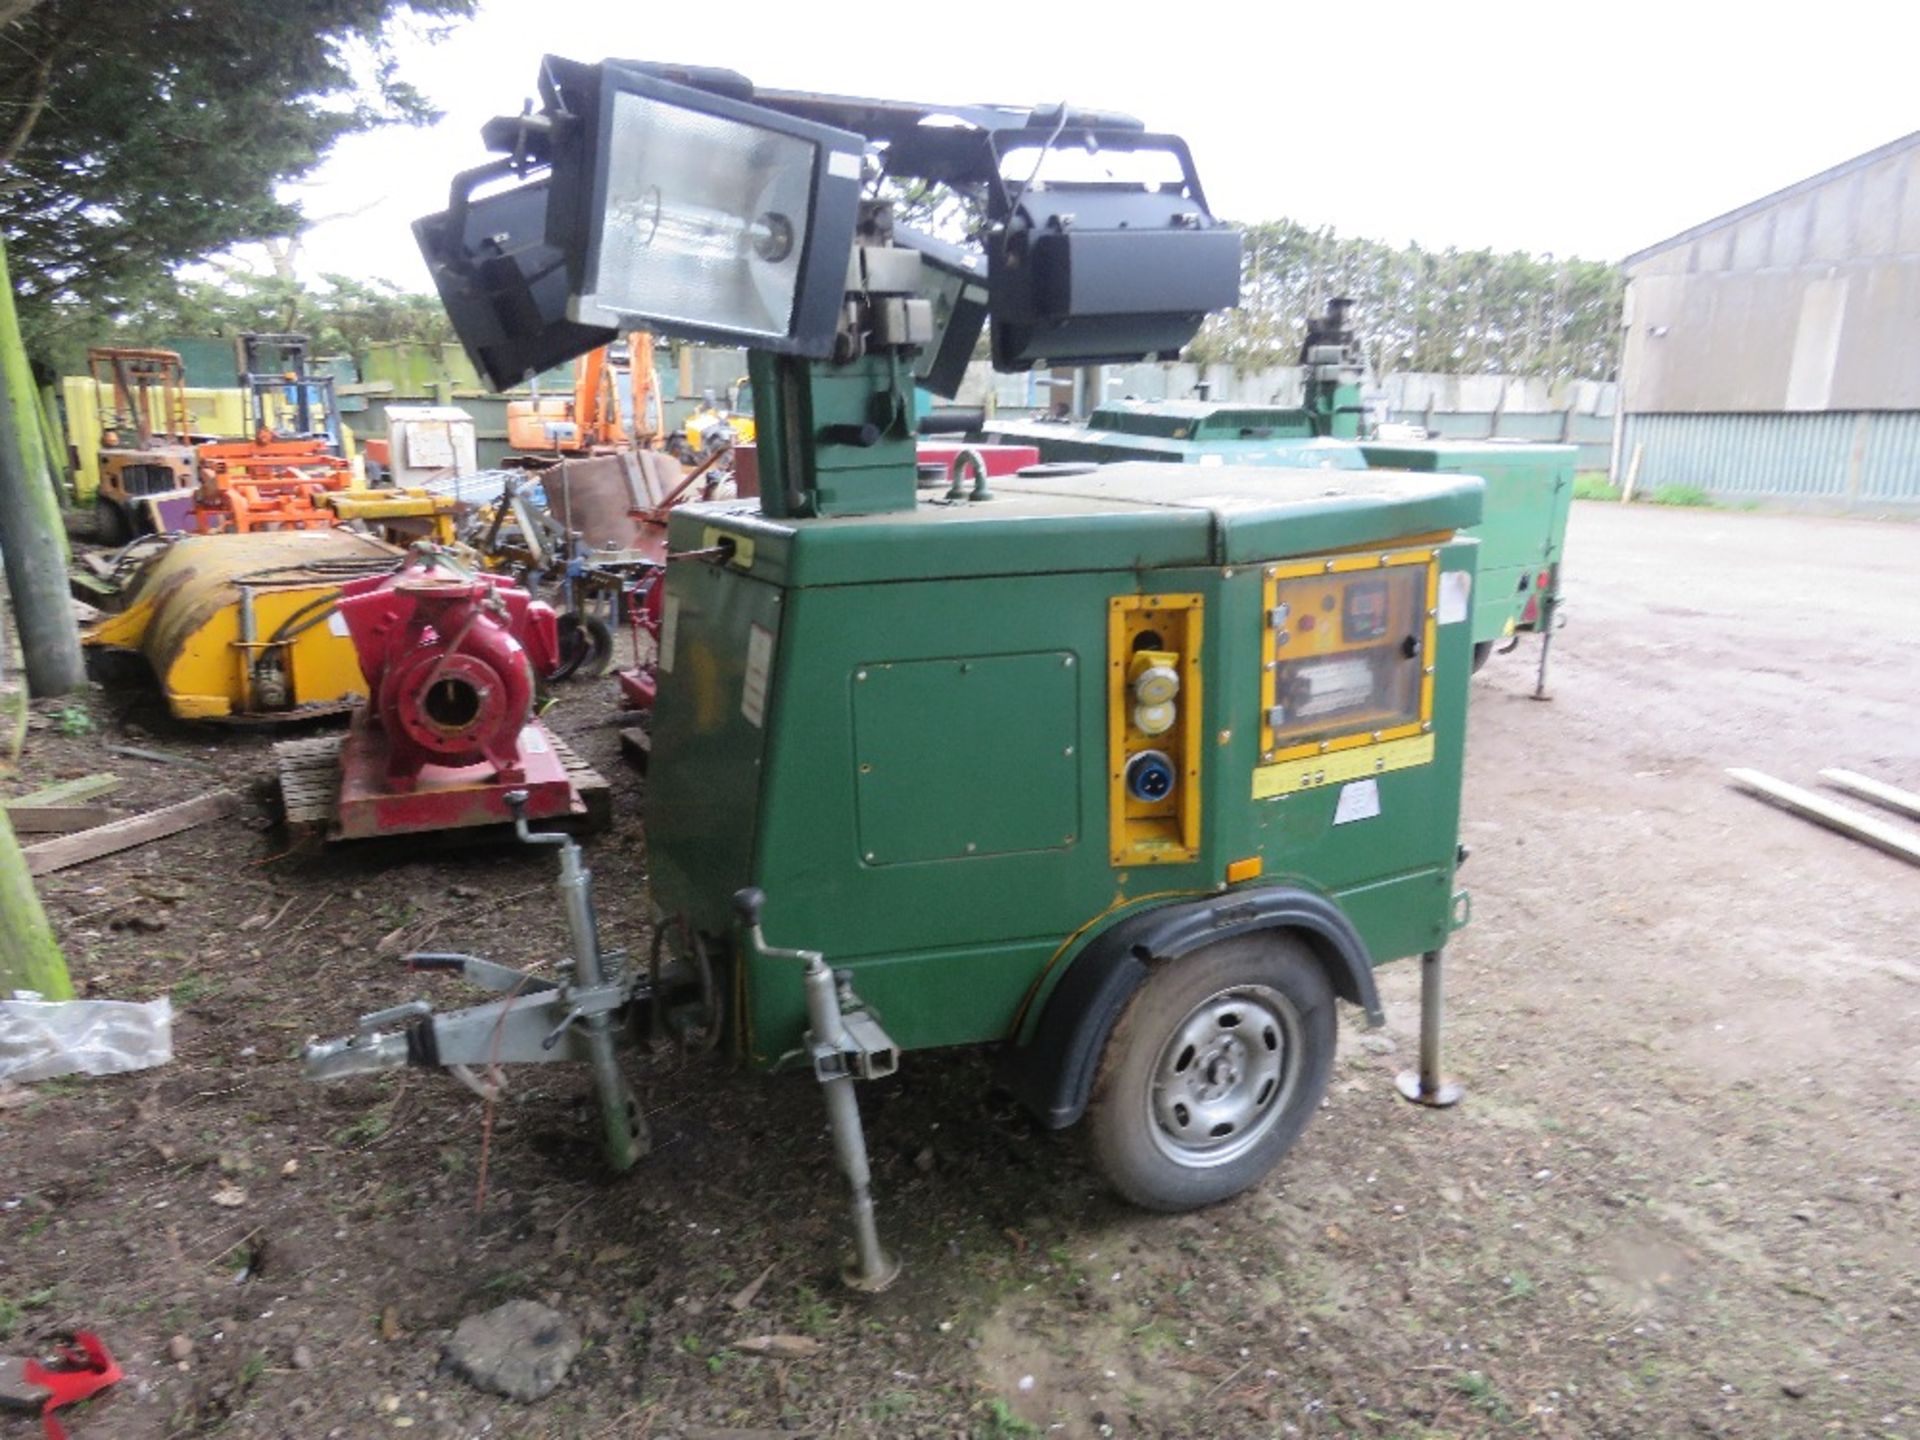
{"type": "Point", "coordinates": [1529, 485]}
{"type": "Point", "coordinates": [1186, 432]}
{"type": "Point", "coordinates": [903, 728]}
{"type": "Point", "coordinates": [1523, 531]}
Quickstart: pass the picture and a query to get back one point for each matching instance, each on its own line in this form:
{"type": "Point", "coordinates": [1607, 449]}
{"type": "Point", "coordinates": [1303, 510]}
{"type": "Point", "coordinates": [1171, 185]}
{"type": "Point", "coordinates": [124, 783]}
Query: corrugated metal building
{"type": "Point", "coordinates": [1774, 352]}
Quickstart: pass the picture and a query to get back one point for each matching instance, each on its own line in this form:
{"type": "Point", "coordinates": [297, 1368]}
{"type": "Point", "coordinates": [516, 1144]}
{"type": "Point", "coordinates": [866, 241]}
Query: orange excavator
{"type": "Point", "coordinates": [593, 419]}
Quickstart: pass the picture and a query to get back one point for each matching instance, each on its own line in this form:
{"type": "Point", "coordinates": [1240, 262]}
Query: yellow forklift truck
{"type": "Point", "coordinates": [147, 448]}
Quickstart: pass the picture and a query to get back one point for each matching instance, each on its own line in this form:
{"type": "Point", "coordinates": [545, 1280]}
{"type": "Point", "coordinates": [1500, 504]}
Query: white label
{"type": "Point", "coordinates": [843, 164]}
{"type": "Point", "coordinates": [753, 693]}
{"type": "Point", "coordinates": [532, 741]}
{"type": "Point", "coordinates": [669, 628]}
{"type": "Point", "coordinates": [337, 624]}
{"type": "Point", "coordinates": [1456, 591]}
{"type": "Point", "coordinates": [430, 444]}
{"type": "Point", "coordinates": [1358, 801]}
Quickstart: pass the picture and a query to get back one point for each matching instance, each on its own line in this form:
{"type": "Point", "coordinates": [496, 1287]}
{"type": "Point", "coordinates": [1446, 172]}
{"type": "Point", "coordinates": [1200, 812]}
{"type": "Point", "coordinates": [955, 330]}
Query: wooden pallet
{"type": "Point", "coordinates": [309, 773]}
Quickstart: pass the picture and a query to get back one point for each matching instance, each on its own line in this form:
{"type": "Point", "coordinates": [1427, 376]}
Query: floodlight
{"type": "Point", "coordinates": [1104, 250]}
{"type": "Point", "coordinates": [505, 288]}
{"type": "Point", "coordinates": [955, 281]}
{"type": "Point", "coordinates": [698, 214]}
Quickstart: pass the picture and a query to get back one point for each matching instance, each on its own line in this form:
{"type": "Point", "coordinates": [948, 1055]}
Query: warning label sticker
{"type": "Point", "coordinates": [753, 692]}
{"type": "Point", "coordinates": [669, 630]}
{"type": "Point", "coordinates": [1358, 801]}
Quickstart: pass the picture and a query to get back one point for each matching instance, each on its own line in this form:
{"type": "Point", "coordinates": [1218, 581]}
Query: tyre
{"type": "Point", "coordinates": [1482, 652]}
{"type": "Point", "coordinates": [1212, 1071]}
{"type": "Point", "coordinates": [110, 525]}
{"type": "Point", "coordinates": [599, 657]}
{"type": "Point", "coordinates": [586, 647]}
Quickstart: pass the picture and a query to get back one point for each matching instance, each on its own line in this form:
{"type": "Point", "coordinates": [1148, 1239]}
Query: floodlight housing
{"type": "Point", "coordinates": [506, 290]}
{"type": "Point", "coordinates": [699, 214]}
{"type": "Point", "coordinates": [1097, 271]}
{"type": "Point", "coordinates": [954, 279]}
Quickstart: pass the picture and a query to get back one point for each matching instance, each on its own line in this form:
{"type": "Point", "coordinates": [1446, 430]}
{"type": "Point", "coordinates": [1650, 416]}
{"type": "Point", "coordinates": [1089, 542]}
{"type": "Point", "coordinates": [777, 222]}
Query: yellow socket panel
{"type": "Point", "coordinates": [1148, 635]}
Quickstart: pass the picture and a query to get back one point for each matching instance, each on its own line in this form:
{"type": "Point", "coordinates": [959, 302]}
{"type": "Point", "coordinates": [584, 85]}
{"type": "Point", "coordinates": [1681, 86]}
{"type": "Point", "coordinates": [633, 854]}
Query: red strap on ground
{"type": "Point", "coordinates": [86, 1370]}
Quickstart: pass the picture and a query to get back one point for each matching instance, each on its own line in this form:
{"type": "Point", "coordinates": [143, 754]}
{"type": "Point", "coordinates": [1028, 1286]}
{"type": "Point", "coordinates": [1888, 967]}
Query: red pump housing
{"type": "Point", "coordinates": [449, 662]}
{"type": "Point", "coordinates": [447, 729]}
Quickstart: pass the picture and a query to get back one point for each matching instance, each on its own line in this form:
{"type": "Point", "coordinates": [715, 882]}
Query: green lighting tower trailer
{"type": "Point", "coordinates": [1529, 484]}
{"type": "Point", "coordinates": [1129, 781]}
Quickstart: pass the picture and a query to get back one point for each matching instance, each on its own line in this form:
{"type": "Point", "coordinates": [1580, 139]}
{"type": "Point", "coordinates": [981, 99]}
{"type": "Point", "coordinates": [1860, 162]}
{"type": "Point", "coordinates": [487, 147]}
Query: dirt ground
{"type": "Point", "coordinates": [1680, 1199]}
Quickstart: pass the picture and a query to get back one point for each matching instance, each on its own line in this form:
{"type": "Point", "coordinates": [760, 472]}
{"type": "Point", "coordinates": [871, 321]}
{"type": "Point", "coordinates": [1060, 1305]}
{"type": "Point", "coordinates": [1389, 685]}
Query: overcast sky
{"type": "Point", "coordinates": [1581, 129]}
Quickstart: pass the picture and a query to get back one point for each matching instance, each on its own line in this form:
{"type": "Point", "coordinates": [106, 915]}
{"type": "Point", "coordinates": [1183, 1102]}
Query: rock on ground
{"type": "Point", "coordinates": [520, 1349]}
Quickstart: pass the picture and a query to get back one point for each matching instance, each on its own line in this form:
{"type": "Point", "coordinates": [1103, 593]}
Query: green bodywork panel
{"type": "Point", "coordinates": [917, 785]}
{"type": "Point", "coordinates": [1524, 528]}
{"type": "Point", "coordinates": [1529, 486]}
{"type": "Point", "coordinates": [1186, 433]}
{"type": "Point", "coordinates": [814, 401]}
{"type": "Point", "coordinates": [896, 726]}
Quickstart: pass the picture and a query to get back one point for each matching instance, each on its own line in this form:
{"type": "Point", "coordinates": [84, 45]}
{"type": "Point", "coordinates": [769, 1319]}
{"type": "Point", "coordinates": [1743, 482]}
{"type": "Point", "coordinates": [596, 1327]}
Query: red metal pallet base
{"type": "Point", "coordinates": [445, 798]}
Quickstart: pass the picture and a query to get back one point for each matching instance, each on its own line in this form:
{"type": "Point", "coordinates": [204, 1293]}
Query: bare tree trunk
{"type": "Point", "coordinates": [30, 959]}
{"type": "Point", "coordinates": [32, 537]}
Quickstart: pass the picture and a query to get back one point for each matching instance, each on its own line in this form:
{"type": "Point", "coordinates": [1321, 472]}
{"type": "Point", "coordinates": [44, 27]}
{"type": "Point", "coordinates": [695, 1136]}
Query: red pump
{"type": "Point", "coordinates": [447, 729]}
{"type": "Point", "coordinates": [450, 663]}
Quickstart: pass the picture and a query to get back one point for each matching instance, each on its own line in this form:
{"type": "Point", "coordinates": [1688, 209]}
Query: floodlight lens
{"type": "Point", "coordinates": [704, 219]}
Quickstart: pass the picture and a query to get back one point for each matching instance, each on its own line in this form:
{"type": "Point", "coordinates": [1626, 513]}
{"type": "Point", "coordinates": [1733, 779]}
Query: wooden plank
{"type": "Point", "coordinates": [71, 792]}
{"type": "Point", "coordinates": [1878, 791]}
{"type": "Point", "coordinates": [77, 849]}
{"type": "Point", "coordinates": [55, 819]}
{"type": "Point", "coordinates": [159, 757]}
{"type": "Point", "coordinates": [1633, 473]}
{"type": "Point", "coordinates": [1856, 824]}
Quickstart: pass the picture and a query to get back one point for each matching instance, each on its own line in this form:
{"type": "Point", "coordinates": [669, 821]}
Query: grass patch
{"type": "Point", "coordinates": [1681, 495]}
{"type": "Point", "coordinates": [364, 1131]}
{"type": "Point", "coordinates": [1592, 485]}
{"type": "Point", "coordinates": [12, 1312]}
{"type": "Point", "coordinates": [1000, 1423]}
{"type": "Point", "coordinates": [1478, 1389]}
{"type": "Point", "coordinates": [184, 991]}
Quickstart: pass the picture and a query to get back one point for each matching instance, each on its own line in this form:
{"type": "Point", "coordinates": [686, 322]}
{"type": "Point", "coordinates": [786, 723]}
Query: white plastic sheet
{"type": "Point", "coordinates": [40, 1039]}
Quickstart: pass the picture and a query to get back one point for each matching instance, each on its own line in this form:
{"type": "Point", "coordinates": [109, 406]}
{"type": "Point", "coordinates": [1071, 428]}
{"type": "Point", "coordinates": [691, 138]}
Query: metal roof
{"type": "Point", "coordinates": [1754, 207]}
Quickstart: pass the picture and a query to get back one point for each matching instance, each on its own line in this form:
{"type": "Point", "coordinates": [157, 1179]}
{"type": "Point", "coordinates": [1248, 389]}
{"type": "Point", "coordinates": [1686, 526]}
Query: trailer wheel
{"type": "Point", "coordinates": [1482, 652]}
{"type": "Point", "coordinates": [1212, 1072]}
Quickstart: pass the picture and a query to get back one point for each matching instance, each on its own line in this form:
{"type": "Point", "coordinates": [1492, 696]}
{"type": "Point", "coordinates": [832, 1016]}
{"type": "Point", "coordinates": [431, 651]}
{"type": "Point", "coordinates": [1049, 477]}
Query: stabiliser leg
{"type": "Point", "coordinates": [1546, 643]}
{"type": "Point", "coordinates": [623, 1125]}
{"type": "Point", "coordinates": [844, 1047]}
{"type": "Point", "coordinates": [1428, 1085]}
{"type": "Point", "coordinates": [537, 1020]}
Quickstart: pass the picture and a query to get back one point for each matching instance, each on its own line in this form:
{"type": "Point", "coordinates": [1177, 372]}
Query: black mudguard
{"type": "Point", "coordinates": [1052, 1074]}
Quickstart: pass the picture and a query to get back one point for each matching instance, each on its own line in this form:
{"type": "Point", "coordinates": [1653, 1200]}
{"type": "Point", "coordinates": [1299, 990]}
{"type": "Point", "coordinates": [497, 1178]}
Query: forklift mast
{"type": "Point", "coordinates": [276, 365]}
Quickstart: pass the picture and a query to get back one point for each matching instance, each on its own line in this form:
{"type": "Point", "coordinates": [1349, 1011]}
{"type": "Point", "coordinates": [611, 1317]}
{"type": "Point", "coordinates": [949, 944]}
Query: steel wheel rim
{"type": "Point", "coordinates": [1221, 1081]}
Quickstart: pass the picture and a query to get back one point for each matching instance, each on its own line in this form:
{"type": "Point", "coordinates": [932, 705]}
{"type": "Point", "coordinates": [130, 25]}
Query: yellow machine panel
{"type": "Point", "coordinates": [209, 412]}
{"type": "Point", "coordinates": [241, 625]}
{"type": "Point", "coordinates": [1347, 684]}
{"type": "Point", "coordinates": [1154, 717]}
